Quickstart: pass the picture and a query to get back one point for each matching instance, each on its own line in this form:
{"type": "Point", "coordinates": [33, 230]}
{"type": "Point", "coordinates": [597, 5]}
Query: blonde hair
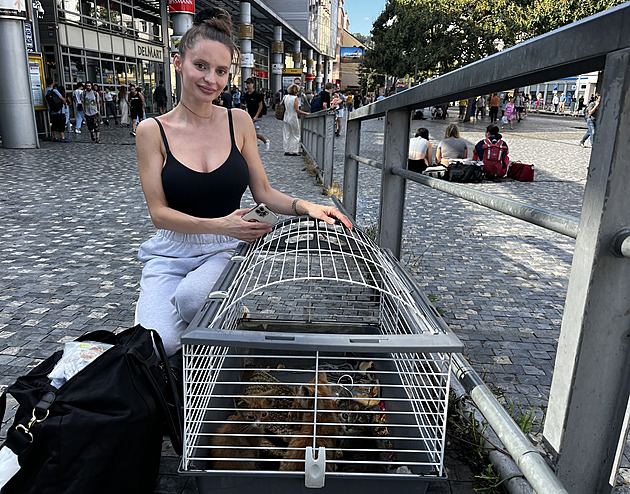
{"type": "Point", "coordinates": [451, 131]}
{"type": "Point", "coordinates": [293, 89]}
{"type": "Point", "coordinates": [213, 23]}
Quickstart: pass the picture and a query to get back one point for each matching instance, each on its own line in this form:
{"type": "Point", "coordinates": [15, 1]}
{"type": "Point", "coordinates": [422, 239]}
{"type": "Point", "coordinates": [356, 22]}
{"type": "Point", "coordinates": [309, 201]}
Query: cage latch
{"type": "Point", "coordinates": [218, 294]}
{"type": "Point", "coordinates": [315, 469]}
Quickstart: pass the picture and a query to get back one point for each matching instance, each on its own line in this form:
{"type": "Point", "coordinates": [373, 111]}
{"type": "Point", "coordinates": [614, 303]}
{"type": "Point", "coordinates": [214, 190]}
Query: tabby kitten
{"type": "Point", "coordinates": [328, 428]}
{"type": "Point", "coordinates": [234, 439]}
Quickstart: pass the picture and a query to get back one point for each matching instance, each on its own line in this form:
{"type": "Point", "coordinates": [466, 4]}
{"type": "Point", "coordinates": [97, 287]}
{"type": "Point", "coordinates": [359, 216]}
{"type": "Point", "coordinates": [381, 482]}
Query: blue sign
{"type": "Point", "coordinates": [28, 35]}
{"type": "Point", "coordinates": [354, 52]}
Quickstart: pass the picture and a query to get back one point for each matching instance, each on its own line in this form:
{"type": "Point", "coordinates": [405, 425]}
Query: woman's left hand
{"type": "Point", "coordinates": [329, 214]}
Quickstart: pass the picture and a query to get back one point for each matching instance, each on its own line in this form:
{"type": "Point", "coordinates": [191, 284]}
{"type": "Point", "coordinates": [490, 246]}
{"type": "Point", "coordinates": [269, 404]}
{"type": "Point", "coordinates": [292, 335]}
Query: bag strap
{"type": "Point", "coordinates": [20, 436]}
{"type": "Point", "coordinates": [172, 419]}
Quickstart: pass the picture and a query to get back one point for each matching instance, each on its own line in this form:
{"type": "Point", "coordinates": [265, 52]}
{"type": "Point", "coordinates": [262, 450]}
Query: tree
{"type": "Point", "coordinates": [544, 15]}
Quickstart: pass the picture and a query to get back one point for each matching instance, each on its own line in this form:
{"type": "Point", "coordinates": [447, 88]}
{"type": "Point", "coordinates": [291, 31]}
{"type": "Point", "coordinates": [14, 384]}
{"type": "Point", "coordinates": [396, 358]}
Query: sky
{"type": "Point", "coordinates": [362, 13]}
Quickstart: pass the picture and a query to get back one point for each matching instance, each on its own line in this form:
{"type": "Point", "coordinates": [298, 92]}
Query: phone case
{"type": "Point", "coordinates": [261, 213]}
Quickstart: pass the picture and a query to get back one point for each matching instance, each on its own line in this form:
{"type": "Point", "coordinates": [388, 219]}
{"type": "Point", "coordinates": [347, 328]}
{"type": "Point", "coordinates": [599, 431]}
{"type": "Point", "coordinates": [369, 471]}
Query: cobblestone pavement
{"type": "Point", "coordinates": [74, 217]}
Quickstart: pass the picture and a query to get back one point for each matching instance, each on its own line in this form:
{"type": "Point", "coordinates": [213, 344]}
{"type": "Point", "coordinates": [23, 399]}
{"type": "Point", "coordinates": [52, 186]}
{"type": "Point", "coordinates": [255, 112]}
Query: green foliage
{"type": "Point", "coordinates": [442, 35]}
{"type": "Point", "coordinates": [545, 15]}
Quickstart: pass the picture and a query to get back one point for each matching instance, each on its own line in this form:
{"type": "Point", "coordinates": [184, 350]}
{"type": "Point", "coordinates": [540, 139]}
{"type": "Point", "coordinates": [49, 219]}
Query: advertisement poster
{"type": "Point", "coordinates": [15, 8]}
{"type": "Point", "coordinates": [351, 54]}
{"type": "Point", "coordinates": [36, 73]}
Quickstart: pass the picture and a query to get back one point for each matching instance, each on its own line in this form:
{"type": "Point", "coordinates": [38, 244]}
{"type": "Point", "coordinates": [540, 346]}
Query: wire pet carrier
{"type": "Point", "coordinates": [316, 362]}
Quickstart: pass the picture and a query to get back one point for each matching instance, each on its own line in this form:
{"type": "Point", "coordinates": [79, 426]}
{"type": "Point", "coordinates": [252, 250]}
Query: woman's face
{"type": "Point", "coordinates": [205, 69]}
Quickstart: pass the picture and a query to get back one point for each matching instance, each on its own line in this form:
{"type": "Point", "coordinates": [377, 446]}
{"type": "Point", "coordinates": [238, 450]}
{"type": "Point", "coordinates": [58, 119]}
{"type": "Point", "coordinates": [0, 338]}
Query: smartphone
{"type": "Point", "coordinates": [261, 213]}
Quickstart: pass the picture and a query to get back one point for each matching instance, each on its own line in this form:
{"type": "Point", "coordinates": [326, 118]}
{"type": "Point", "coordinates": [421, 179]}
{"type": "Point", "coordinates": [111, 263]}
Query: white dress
{"type": "Point", "coordinates": [124, 112]}
{"type": "Point", "coordinates": [291, 130]}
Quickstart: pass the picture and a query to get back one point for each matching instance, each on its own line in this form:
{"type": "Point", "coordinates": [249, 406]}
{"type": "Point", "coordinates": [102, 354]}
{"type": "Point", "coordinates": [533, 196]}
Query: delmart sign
{"type": "Point", "coordinates": [150, 52]}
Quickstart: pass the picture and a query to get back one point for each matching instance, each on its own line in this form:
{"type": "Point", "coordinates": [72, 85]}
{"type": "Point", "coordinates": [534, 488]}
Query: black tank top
{"type": "Point", "coordinates": [205, 195]}
{"type": "Point", "coordinates": [135, 102]}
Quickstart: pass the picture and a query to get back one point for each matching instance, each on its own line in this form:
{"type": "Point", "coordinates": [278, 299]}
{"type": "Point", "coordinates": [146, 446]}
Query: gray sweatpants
{"type": "Point", "coordinates": [179, 272]}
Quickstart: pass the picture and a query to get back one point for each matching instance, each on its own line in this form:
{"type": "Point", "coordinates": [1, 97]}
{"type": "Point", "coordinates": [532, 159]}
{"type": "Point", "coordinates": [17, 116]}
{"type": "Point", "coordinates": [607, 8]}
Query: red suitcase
{"type": "Point", "coordinates": [521, 171]}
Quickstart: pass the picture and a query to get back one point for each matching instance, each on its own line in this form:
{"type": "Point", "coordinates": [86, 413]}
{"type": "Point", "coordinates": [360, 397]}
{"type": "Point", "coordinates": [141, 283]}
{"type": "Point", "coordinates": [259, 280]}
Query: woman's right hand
{"type": "Point", "coordinates": [235, 226]}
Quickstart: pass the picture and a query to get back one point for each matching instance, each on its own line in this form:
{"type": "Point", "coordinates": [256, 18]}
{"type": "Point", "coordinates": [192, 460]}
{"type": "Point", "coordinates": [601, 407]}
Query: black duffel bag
{"type": "Point", "coordinates": [100, 432]}
{"type": "Point", "coordinates": [464, 172]}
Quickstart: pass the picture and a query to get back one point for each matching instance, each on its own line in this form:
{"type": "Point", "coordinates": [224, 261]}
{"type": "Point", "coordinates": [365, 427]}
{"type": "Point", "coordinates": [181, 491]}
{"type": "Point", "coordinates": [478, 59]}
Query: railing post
{"type": "Point", "coordinates": [591, 380]}
{"type": "Point", "coordinates": [395, 153]}
{"type": "Point", "coordinates": [329, 148]}
{"type": "Point", "coordinates": [319, 143]}
{"type": "Point", "coordinates": [351, 167]}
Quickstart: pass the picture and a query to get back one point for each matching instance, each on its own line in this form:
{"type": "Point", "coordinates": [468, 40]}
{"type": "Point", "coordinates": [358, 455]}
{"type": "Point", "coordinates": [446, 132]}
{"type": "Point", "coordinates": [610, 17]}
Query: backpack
{"type": "Point", "coordinates": [316, 103]}
{"type": "Point", "coordinates": [493, 166]}
{"type": "Point", "coordinates": [53, 100]}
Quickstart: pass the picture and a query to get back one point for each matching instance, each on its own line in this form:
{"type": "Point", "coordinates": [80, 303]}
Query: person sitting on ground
{"type": "Point", "coordinates": [420, 151]}
{"type": "Point", "coordinates": [451, 147]}
{"type": "Point", "coordinates": [493, 152]}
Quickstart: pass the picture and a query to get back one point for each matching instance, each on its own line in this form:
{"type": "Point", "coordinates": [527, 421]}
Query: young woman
{"type": "Point", "coordinates": [291, 128]}
{"type": "Point", "coordinates": [451, 147]}
{"type": "Point", "coordinates": [195, 163]}
{"type": "Point", "coordinates": [420, 151]}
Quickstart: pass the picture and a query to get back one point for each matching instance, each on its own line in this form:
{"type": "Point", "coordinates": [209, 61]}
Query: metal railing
{"type": "Point", "coordinates": [591, 384]}
{"type": "Point", "coordinates": [318, 141]}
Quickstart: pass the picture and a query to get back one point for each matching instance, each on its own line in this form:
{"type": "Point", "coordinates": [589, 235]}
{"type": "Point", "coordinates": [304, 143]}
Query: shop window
{"type": "Point", "coordinates": [102, 14]}
{"type": "Point", "coordinates": [108, 78]}
{"type": "Point", "coordinates": [121, 74]}
{"type": "Point", "coordinates": [77, 69]}
{"type": "Point", "coordinates": [115, 16]}
{"type": "Point", "coordinates": [93, 70]}
{"type": "Point", "coordinates": [88, 12]}
{"type": "Point", "coordinates": [72, 10]}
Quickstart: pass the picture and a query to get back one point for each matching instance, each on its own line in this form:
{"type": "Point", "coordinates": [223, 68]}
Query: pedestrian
{"type": "Point", "coordinates": [590, 115]}
{"type": "Point", "coordinates": [462, 109]}
{"type": "Point", "coordinates": [236, 98]}
{"type": "Point", "coordinates": [555, 102]}
{"type": "Point", "coordinates": [291, 125]}
{"type": "Point", "coordinates": [226, 98]}
{"type": "Point", "coordinates": [136, 105]}
{"type": "Point", "coordinates": [326, 95]}
{"type": "Point", "coordinates": [55, 101]}
{"type": "Point", "coordinates": [92, 110]}
{"type": "Point", "coordinates": [563, 100]}
{"type": "Point", "coordinates": [109, 97]}
{"type": "Point", "coordinates": [77, 97]}
{"type": "Point", "coordinates": [510, 112]}
{"type": "Point", "coordinates": [350, 102]}
{"type": "Point", "coordinates": [519, 104]}
{"type": "Point", "coordinates": [254, 102]}
{"type": "Point", "coordinates": [338, 104]}
{"type": "Point", "coordinates": [420, 151]}
{"type": "Point", "coordinates": [66, 107]}
{"type": "Point", "coordinates": [123, 103]}
{"type": "Point", "coordinates": [494, 108]}
{"type": "Point", "coordinates": [160, 99]}
{"type": "Point", "coordinates": [451, 147]}
{"type": "Point", "coordinates": [193, 192]}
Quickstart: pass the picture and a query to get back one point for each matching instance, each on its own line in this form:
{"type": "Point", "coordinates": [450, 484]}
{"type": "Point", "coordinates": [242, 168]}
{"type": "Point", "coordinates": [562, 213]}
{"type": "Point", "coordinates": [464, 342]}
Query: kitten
{"type": "Point", "coordinates": [327, 424]}
{"type": "Point", "coordinates": [253, 412]}
{"type": "Point", "coordinates": [358, 422]}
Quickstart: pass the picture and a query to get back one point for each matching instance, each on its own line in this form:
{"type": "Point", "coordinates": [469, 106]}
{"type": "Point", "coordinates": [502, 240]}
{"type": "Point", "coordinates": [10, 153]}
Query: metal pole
{"type": "Point", "coordinates": [351, 167]}
{"type": "Point", "coordinates": [309, 70]}
{"type": "Point", "coordinates": [591, 380]}
{"type": "Point", "coordinates": [329, 148]}
{"type": "Point", "coordinates": [318, 68]}
{"type": "Point", "coordinates": [320, 136]}
{"type": "Point", "coordinates": [297, 54]}
{"type": "Point", "coordinates": [17, 113]}
{"type": "Point", "coordinates": [395, 152]}
{"type": "Point", "coordinates": [246, 34]}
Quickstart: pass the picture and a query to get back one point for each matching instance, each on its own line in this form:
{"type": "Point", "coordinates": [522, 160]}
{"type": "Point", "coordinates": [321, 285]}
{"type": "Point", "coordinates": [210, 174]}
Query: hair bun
{"type": "Point", "coordinates": [208, 14]}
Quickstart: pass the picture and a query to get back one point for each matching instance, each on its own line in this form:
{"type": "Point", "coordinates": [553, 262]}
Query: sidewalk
{"type": "Point", "coordinates": [74, 217]}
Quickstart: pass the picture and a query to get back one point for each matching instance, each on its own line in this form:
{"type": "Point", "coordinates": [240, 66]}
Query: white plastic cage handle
{"type": "Point", "coordinates": [315, 469]}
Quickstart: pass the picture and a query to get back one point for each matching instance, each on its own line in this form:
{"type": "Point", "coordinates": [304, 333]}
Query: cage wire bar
{"type": "Point", "coordinates": [319, 339]}
{"type": "Point", "coordinates": [593, 346]}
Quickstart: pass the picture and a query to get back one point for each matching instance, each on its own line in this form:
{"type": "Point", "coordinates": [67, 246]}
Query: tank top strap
{"type": "Point", "coordinates": [163, 134]}
{"type": "Point", "coordinates": [229, 111]}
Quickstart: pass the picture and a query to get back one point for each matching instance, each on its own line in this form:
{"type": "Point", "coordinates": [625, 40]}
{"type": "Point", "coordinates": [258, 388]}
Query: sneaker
{"type": "Point", "coordinates": [582, 144]}
{"type": "Point", "coordinates": [77, 131]}
{"type": "Point", "coordinates": [267, 145]}
{"type": "Point", "coordinates": [64, 140]}
{"type": "Point", "coordinates": [56, 139]}
{"type": "Point", "coordinates": [133, 133]}
{"type": "Point", "coordinates": [98, 140]}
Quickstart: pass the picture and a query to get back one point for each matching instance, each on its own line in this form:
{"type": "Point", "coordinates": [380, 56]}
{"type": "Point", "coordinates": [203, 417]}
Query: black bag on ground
{"type": "Point", "coordinates": [464, 172]}
{"type": "Point", "coordinates": [100, 432]}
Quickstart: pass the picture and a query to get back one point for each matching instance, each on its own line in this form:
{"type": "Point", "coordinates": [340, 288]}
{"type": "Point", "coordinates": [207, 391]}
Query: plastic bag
{"type": "Point", "coordinates": [76, 356]}
{"type": "Point", "coordinates": [504, 120]}
{"type": "Point", "coordinates": [9, 465]}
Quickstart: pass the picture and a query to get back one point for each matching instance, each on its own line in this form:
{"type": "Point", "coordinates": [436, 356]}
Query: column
{"type": "Point", "coordinates": [277, 59]}
{"type": "Point", "coordinates": [310, 63]}
{"type": "Point", "coordinates": [17, 113]}
{"type": "Point", "coordinates": [326, 71]}
{"type": "Point", "coordinates": [246, 35]}
{"type": "Point", "coordinates": [182, 22]}
{"type": "Point", "coordinates": [167, 55]}
{"type": "Point", "coordinates": [319, 76]}
{"type": "Point", "coordinates": [297, 54]}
